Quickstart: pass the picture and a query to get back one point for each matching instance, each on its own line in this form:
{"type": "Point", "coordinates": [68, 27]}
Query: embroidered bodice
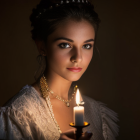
{"type": "Point", "coordinates": [27, 117]}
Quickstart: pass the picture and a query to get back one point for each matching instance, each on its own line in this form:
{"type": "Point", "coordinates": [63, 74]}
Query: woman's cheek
{"type": "Point", "coordinates": [87, 58]}
{"type": "Point", "coordinates": [61, 57]}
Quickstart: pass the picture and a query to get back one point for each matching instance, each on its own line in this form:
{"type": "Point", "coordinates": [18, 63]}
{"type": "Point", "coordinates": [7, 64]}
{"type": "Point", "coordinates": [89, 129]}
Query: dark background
{"type": "Point", "coordinates": [113, 78]}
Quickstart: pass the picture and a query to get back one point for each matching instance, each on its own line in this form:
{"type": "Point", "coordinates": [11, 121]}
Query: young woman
{"type": "Point", "coordinates": [65, 33]}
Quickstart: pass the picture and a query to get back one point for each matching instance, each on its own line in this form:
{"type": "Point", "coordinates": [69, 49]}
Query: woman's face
{"type": "Point", "coordinates": [70, 49]}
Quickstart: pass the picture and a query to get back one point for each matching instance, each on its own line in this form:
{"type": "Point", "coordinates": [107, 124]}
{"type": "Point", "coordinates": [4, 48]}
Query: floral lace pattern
{"type": "Point", "coordinates": [27, 117]}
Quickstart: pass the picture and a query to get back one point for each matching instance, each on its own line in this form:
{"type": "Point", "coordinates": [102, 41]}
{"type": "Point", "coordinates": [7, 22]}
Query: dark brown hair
{"type": "Point", "coordinates": [48, 14]}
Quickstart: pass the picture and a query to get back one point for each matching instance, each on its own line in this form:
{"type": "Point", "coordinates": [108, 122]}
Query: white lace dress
{"type": "Point", "coordinates": [27, 117]}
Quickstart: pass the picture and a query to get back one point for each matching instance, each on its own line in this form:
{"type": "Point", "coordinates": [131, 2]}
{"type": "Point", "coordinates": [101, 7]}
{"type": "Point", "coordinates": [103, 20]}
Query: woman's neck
{"type": "Point", "coordinates": [58, 85]}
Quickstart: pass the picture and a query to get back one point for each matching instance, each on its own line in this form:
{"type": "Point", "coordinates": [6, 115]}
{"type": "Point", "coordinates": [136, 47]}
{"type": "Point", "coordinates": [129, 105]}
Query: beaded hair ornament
{"type": "Point", "coordinates": [56, 3]}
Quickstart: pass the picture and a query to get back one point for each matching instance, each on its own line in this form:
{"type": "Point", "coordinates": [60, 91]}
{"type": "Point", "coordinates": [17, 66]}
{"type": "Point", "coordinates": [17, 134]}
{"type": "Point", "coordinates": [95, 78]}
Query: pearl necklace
{"type": "Point", "coordinates": [46, 91]}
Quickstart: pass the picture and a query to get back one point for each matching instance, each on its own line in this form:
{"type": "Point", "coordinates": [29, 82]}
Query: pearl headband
{"type": "Point", "coordinates": [62, 2]}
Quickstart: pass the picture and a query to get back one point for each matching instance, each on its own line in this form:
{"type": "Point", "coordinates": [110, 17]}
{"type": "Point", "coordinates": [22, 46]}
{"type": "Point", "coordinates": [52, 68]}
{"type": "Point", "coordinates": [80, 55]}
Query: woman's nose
{"type": "Point", "coordinates": [76, 55]}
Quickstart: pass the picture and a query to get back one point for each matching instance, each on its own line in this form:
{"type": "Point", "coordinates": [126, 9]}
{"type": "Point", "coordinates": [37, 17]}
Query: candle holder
{"type": "Point", "coordinates": [79, 130]}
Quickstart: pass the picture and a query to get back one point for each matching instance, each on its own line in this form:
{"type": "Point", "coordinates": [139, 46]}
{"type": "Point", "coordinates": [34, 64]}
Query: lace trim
{"type": "Point", "coordinates": [29, 116]}
{"type": "Point", "coordinates": [52, 114]}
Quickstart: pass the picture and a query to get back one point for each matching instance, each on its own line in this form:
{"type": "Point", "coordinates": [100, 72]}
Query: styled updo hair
{"type": "Point", "coordinates": [48, 14]}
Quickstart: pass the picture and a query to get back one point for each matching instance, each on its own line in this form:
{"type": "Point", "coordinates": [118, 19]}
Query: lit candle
{"type": "Point", "coordinates": [78, 111]}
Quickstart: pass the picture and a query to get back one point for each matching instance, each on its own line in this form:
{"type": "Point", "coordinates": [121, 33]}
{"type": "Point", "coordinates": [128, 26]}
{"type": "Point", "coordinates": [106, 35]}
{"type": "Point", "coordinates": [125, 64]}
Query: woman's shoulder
{"type": "Point", "coordinates": [90, 102]}
{"type": "Point", "coordinates": [21, 112]}
{"type": "Point", "coordinates": [105, 115]}
{"type": "Point", "coordinates": [24, 98]}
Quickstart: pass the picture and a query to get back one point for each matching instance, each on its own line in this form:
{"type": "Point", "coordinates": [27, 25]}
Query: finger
{"type": "Point", "coordinates": [86, 136]}
{"type": "Point", "coordinates": [70, 133]}
{"type": "Point", "coordinates": [64, 137]}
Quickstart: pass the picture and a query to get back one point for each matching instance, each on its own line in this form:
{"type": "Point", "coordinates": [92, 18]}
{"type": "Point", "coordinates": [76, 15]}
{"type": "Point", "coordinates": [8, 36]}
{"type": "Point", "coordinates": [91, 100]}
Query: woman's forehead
{"type": "Point", "coordinates": [73, 30]}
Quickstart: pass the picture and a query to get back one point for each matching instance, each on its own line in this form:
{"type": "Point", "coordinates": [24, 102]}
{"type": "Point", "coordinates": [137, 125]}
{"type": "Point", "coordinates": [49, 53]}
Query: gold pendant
{"type": "Point", "coordinates": [67, 104]}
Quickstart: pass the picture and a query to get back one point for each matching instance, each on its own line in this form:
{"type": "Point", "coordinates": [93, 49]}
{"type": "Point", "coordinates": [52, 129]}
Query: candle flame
{"type": "Point", "coordinates": [77, 97]}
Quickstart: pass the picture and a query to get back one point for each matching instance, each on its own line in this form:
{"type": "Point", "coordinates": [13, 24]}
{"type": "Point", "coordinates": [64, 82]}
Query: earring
{"type": "Point", "coordinates": [43, 54]}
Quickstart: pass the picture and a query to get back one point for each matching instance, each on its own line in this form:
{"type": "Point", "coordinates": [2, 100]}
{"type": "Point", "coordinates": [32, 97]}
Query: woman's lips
{"type": "Point", "coordinates": [75, 69]}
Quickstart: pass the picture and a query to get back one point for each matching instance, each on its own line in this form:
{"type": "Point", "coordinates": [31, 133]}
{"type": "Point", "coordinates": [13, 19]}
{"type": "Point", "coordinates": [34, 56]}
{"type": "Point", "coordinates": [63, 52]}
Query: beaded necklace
{"type": "Point", "coordinates": [46, 91]}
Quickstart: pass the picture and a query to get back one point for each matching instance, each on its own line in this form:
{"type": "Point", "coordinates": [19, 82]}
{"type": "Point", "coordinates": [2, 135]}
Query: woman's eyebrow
{"type": "Point", "coordinates": [89, 40]}
{"type": "Point", "coordinates": [64, 38]}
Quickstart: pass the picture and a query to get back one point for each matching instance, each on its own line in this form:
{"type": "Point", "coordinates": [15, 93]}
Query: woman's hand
{"type": "Point", "coordinates": [87, 135]}
{"type": "Point", "coordinates": [69, 135]}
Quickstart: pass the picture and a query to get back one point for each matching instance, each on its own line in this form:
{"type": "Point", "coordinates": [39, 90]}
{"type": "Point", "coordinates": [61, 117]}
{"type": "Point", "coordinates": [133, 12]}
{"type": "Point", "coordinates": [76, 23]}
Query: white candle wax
{"type": "Point", "coordinates": [78, 115]}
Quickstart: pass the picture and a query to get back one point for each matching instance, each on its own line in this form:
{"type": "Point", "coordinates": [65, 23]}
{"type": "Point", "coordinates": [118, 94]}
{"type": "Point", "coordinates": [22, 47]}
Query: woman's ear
{"type": "Point", "coordinates": [41, 47]}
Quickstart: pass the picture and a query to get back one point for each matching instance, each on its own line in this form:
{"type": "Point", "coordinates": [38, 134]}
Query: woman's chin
{"type": "Point", "coordinates": [73, 79]}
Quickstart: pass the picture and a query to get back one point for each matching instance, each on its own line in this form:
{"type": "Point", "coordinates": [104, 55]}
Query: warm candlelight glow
{"type": "Point", "coordinates": [78, 111]}
{"type": "Point", "coordinates": [78, 97]}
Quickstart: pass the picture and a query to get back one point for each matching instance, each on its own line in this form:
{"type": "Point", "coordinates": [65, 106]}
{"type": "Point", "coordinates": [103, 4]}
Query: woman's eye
{"type": "Point", "coordinates": [87, 46]}
{"type": "Point", "coordinates": [64, 45]}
